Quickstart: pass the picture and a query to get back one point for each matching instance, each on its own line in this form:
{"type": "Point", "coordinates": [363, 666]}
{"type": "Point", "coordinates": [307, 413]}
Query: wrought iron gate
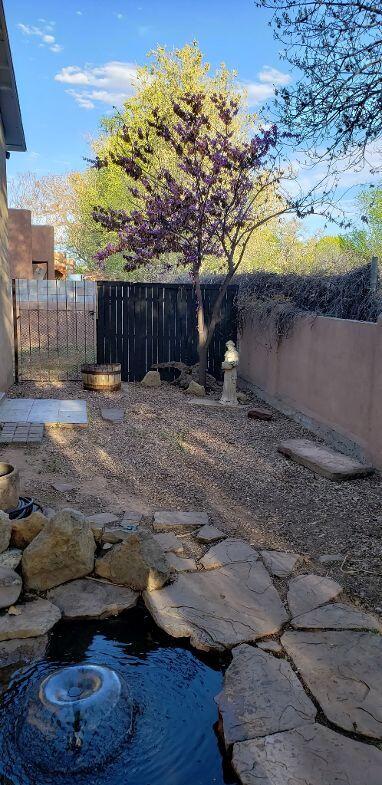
{"type": "Point", "coordinates": [54, 328]}
{"type": "Point", "coordinates": [139, 325]}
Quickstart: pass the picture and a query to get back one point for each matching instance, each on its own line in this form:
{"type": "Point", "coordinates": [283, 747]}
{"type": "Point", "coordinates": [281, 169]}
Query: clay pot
{"type": "Point", "coordinates": [9, 486]}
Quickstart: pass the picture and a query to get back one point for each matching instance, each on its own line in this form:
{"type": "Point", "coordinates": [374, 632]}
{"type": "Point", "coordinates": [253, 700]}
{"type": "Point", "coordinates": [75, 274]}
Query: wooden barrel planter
{"type": "Point", "coordinates": [101, 378]}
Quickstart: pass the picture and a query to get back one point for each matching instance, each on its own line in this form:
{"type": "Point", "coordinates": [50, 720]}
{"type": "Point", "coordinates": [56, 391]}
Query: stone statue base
{"type": "Point", "coordinates": [229, 395]}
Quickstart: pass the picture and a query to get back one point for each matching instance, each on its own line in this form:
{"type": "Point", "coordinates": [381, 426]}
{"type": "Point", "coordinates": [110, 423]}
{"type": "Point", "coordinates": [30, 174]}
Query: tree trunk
{"type": "Point", "coordinates": [202, 351]}
{"type": "Point", "coordinates": [205, 334]}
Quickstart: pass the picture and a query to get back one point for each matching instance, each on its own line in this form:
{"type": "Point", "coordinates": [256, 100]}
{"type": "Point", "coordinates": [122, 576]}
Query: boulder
{"type": "Point", "coordinates": [152, 379]}
{"type": "Point", "coordinates": [5, 531]}
{"type": "Point", "coordinates": [63, 551]}
{"type": "Point", "coordinates": [10, 587]}
{"type": "Point", "coordinates": [196, 389]}
{"type": "Point", "coordinates": [138, 562]}
{"type": "Point", "coordinates": [89, 599]}
{"type": "Point", "coordinates": [35, 619]}
{"type": "Point", "coordinates": [26, 529]}
{"type": "Point", "coordinates": [22, 650]}
{"type": "Point", "coordinates": [11, 558]}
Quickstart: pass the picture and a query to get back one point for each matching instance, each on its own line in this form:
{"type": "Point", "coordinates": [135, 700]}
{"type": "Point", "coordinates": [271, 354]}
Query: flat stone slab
{"type": "Point", "coordinates": [180, 564]}
{"type": "Point", "coordinates": [274, 647]}
{"type": "Point", "coordinates": [114, 415]}
{"type": "Point", "coordinates": [337, 616]}
{"type": "Point", "coordinates": [343, 670]}
{"type": "Point", "coordinates": [322, 460]}
{"type": "Point", "coordinates": [279, 563]}
{"type": "Point", "coordinates": [116, 534]}
{"type": "Point", "coordinates": [229, 551]}
{"type": "Point", "coordinates": [167, 521]}
{"type": "Point", "coordinates": [89, 599]}
{"type": "Point", "coordinates": [307, 592]}
{"type": "Point", "coordinates": [257, 413]}
{"type": "Point", "coordinates": [11, 558]}
{"type": "Point", "coordinates": [331, 558]}
{"type": "Point", "coordinates": [10, 587]}
{"type": "Point", "coordinates": [261, 695]}
{"type": "Point", "coordinates": [170, 542]}
{"type": "Point", "coordinates": [35, 619]}
{"type": "Point", "coordinates": [22, 650]}
{"type": "Point", "coordinates": [130, 516]}
{"type": "Point", "coordinates": [63, 487]}
{"type": "Point", "coordinates": [50, 411]}
{"type": "Point", "coordinates": [209, 534]}
{"type": "Point", "coordinates": [220, 608]}
{"type": "Point", "coordinates": [309, 755]}
{"type": "Point", "coordinates": [102, 518]}
{"type": "Point", "coordinates": [22, 433]}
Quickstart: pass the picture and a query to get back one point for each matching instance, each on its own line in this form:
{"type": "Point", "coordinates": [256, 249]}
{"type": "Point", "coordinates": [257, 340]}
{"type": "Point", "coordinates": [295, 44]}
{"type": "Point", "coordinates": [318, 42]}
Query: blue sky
{"type": "Point", "coordinates": [74, 59]}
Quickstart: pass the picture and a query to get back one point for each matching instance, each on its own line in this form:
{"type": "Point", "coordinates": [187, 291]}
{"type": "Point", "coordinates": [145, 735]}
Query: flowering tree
{"type": "Point", "coordinates": [207, 203]}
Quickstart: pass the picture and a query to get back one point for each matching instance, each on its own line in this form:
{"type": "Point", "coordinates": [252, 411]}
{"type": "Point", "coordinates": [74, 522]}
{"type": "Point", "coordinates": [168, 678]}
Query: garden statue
{"type": "Point", "coordinates": [229, 366]}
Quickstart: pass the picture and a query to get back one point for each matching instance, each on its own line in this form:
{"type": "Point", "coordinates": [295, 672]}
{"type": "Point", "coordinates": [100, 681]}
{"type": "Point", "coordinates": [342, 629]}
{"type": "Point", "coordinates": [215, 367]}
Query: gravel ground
{"type": "Point", "coordinates": [168, 454]}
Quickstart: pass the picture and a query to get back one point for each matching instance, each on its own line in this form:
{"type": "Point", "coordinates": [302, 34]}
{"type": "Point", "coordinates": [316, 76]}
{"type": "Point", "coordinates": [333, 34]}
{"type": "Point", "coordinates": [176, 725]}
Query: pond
{"type": "Point", "coordinates": [155, 725]}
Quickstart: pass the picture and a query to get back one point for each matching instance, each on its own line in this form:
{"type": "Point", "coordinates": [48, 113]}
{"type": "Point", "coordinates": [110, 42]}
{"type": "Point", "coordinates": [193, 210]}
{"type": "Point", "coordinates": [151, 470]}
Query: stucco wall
{"type": "Point", "coordinates": [20, 243]}
{"type": "Point", "coordinates": [6, 326]}
{"type": "Point", "coordinates": [330, 370]}
{"type": "Point", "coordinates": [43, 246]}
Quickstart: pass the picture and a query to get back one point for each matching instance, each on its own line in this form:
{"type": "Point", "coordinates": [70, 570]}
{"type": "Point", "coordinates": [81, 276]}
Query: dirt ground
{"type": "Point", "coordinates": [168, 454]}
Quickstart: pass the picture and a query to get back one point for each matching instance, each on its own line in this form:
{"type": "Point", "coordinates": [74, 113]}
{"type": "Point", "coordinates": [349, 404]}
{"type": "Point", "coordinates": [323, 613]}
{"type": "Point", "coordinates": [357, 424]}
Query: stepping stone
{"type": "Point", "coordinates": [261, 695]}
{"type": "Point", "coordinates": [11, 558]}
{"type": "Point", "coordinates": [260, 414]}
{"type": "Point", "coordinates": [35, 619]}
{"type": "Point", "coordinates": [307, 592]}
{"type": "Point", "coordinates": [88, 599]}
{"type": "Point", "coordinates": [272, 646]}
{"type": "Point", "coordinates": [63, 487]}
{"type": "Point", "coordinates": [343, 671]}
{"type": "Point", "coordinates": [170, 542]}
{"type": "Point", "coordinates": [309, 755]}
{"type": "Point", "coordinates": [279, 563]}
{"type": "Point", "coordinates": [229, 551]}
{"type": "Point", "coordinates": [178, 564]}
{"type": "Point", "coordinates": [328, 558]}
{"type": "Point", "coordinates": [179, 521]}
{"type": "Point", "coordinates": [130, 516]}
{"type": "Point", "coordinates": [22, 650]}
{"type": "Point", "coordinates": [22, 433]}
{"type": "Point", "coordinates": [114, 415]}
{"type": "Point", "coordinates": [102, 518]}
{"type": "Point", "coordinates": [10, 587]}
{"type": "Point", "coordinates": [337, 616]}
{"type": "Point", "coordinates": [209, 534]}
{"type": "Point", "coordinates": [221, 608]}
{"type": "Point", "coordinates": [323, 461]}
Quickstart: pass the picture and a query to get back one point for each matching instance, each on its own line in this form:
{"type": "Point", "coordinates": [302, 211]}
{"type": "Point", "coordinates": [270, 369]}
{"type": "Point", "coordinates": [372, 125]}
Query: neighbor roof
{"type": "Point", "coordinates": [9, 99]}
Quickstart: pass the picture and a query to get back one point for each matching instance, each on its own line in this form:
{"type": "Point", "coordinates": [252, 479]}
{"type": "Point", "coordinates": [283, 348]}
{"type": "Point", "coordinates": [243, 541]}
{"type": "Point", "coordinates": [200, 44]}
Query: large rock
{"type": "Point", "coordinates": [35, 619]}
{"type": "Point", "coordinates": [261, 695]}
{"type": "Point", "coordinates": [337, 616]}
{"type": "Point", "coordinates": [219, 608]}
{"type": "Point", "coordinates": [10, 587]}
{"type": "Point", "coordinates": [5, 531]}
{"type": "Point", "coordinates": [26, 529]}
{"type": "Point", "coordinates": [307, 592]}
{"type": "Point", "coordinates": [138, 562]}
{"type": "Point", "coordinates": [63, 551]}
{"type": "Point", "coordinates": [196, 389]}
{"type": "Point", "coordinates": [169, 521]}
{"type": "Point", "coordinates": [343, 670]}
{"type": "Point", "coordinates": [89, 599]}
{"type": "Point", "coordinates": [151, 379]}
{"type": "Point", "coordinates": [322, 460]}
{"type": "Point", "coordinates": [229, 551]}
{"type": "Point", "coordinates": [21, 650]}
{"type": "Point", "coordinates": [11, 558]}
{"type": "Point", "coordinates": [310, 755]}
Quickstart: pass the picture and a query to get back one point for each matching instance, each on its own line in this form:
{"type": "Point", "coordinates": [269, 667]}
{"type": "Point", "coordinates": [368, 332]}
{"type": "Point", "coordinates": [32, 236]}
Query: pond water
{"type": "Point", "coordinates": [161, 731]}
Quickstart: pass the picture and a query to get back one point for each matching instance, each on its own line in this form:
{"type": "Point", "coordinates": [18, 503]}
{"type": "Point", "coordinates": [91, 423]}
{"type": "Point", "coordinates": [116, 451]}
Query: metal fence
{"type": "Point", "coordinates": [54, 328]}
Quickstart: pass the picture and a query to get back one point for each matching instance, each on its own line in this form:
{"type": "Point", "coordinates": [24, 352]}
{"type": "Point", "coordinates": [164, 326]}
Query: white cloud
{"type": "Point", "coordinates": [42, 33]}
{"type": "Point", "coordinates": [268, 79]}
{"type": "Point", "coordinates": [79, 13]}
{"type": "Point", "coordinates": [110, 83]}
{"type": "Point", "coordinates": [119, 16]}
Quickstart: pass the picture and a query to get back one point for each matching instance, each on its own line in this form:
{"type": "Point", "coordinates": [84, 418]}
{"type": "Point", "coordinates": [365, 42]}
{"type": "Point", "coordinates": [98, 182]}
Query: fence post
{"type": "Point", "coordinates": [15, 331]}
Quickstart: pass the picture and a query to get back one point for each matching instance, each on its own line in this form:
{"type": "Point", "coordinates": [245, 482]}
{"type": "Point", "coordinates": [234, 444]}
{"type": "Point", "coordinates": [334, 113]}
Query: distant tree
{"type": "Point", "coordinates": [217, 192]}
{"type": "Point", "coordinates": [50, 198]}
{"type": "Point", "coordinates": [336, 46]}
{"type": "Point", "coordinates": [367, 242]}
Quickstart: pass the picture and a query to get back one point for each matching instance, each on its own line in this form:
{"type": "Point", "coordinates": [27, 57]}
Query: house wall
{"type": "Point", "coordinates": [29, 243]}
{"type": "Point", "coordinates": [327, 374]}
{"type": "Point", "coordinates": [6, 324]}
